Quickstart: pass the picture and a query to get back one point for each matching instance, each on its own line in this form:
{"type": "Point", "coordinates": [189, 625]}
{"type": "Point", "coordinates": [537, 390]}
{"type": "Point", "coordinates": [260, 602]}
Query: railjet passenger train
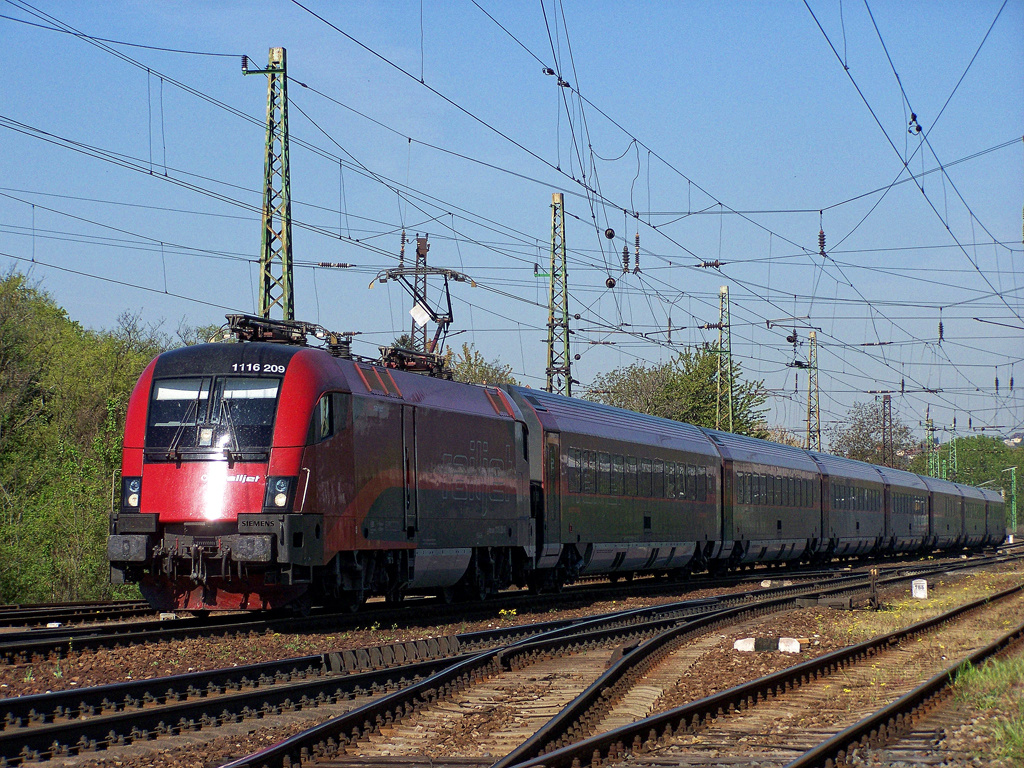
{"type": "Point", "coordinates": [263, 474]}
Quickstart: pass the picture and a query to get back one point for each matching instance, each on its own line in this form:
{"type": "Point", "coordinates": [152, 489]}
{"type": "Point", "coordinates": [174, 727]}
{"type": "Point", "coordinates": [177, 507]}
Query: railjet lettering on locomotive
{"type": "Point", "coordinates": [233, 479]}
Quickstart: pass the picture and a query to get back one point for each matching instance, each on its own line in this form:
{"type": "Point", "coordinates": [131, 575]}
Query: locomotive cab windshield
{"type": "Point", "coordinates": [204, 417]}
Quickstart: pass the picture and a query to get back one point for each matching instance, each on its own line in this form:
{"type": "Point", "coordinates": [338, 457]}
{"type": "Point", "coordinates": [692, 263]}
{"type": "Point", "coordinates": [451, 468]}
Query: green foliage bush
{"type": "Point", "coordinates": [63, 395]}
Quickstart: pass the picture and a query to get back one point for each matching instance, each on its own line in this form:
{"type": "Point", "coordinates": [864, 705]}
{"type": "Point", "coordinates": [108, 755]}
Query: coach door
{"type": "Point", "coordinates": [411, 493]}
{"type": "Point", "coordinates": [553, 491]}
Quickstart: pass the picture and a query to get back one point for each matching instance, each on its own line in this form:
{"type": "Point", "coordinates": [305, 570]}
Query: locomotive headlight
{"type": "Point", "coordinates": [131, 491]}
{"type": "Point", "coordinates": [280, 493]}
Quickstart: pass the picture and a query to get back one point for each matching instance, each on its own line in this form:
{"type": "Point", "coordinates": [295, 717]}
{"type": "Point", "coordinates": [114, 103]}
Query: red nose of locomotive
{"type": "Point", "coordinates": [201, 523]}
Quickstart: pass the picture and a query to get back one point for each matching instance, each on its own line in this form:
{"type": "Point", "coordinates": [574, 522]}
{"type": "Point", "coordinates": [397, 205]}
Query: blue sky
{"type": "Point", "coordinates": [721, 128]}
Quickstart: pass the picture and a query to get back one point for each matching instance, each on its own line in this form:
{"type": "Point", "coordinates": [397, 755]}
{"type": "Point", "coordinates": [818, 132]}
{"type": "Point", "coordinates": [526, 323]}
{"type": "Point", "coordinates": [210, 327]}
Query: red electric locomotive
{"type": "Point", "coordinates": [260, 475]}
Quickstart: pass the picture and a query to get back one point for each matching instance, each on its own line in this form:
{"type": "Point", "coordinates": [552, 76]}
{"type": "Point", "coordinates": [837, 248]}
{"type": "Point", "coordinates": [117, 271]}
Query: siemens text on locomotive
{"type": "Point", "coordinates": [261, 475]}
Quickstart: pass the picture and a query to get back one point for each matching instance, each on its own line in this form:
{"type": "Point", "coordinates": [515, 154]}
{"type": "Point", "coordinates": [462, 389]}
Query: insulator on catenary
{"type": "Point", "coordinates": [334, 264]}
{"type": "Point", "coordinates": [940, 331]}
{"type": "Point", "coordinates": [401, 251]}
{"type": "Point", "coordinates": [636, 255]}
{"type": "Point", "coordinates": [625, 259]}
{"type": "Point", "coordinates": [1011, 383]}
{"type": "Point", "coordinates": [821, 241]}
{"type": "Point", "coordinates": [997, 385]}
{"type": "Point", "coordinates": [903, 386]}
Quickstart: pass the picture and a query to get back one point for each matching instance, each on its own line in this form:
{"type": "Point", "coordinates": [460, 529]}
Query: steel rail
{"type": "Point", "coordinates": [327, 738]}
{"type": "Point", "coordinates": [59, 642]}
{"type": "Point", "coordinates": [23, 616]}
{"type": "Point", "coordinates": [645, 733]}
{"type": "Point", "coordinates": [88, 718]}
{"type": "Point", "coordinates": [889, 723]}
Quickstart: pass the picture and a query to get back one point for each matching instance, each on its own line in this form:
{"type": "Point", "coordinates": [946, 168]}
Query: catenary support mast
{"type": "Point", "coordinates": [813, 442]}
{"type": "Point", "coordinates": [723, 406]}
{"type": "Point", "coordinates": [276, 286]}
{"type": "Point", "coordinates": [559, 369]}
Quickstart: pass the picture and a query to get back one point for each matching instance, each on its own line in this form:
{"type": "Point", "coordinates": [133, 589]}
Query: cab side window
{"type": "Point", "coordinates": [321, 425]}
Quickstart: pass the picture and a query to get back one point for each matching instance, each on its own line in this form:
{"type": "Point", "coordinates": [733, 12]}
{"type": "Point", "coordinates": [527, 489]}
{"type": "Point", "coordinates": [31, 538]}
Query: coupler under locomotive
{"type": "Point", "coordinates": [261, 561]}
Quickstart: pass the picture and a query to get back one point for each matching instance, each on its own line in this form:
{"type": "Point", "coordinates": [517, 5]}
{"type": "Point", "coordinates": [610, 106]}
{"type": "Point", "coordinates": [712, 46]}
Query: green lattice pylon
{"type": "Point", "coordinates": [276, 284]}
{"type": "Point", "coordinates": [559, 370]}
{"type": "Point", "coordinates": [723, 379]}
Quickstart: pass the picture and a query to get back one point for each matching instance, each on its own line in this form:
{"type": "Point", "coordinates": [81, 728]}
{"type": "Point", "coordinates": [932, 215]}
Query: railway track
{"type": "Point", "coordinates": [756, 723]}
{"type": "Point", "coordinates": [90, 718]}
{"type": "Point", "coordinates": [58, 642]}
{"type": "Point", "coordinates": [41, 614]}
{"type": "Point", "coordinates": [82, 720]}
{"type": "Point", "coordinates": [379, 734]}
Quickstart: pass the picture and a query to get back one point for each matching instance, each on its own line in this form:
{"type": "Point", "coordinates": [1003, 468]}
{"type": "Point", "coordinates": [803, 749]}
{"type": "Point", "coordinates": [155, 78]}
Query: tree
{"type": "Point", "coordinates": [684, 389]}
{"type": "Point", "coordinates": [859, 436]}
{"type": "Point", "coordinates": [63, 395]}
{"type": "Point", "coordinates": [779, 434]}
{"type": "Point", "coordinates": [190, 335]}
{"type": "Point", "coordinates": [406, 341]}
{"type": "Point", "coordinates": [979, 459]}
{"type": "Point", "coordinates": [470, 366]}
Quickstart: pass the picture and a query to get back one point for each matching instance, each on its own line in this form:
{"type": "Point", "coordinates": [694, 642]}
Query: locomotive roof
{"type": "Point", "coordinates": [219, 357]}
{"type": "Point", "coordinates": [751, 449]}
{"type": "Point", "coordinates": [840, 466]}
{"type": "Point", "coordinates": [901, 478]}
{"type": "Point", "coordinates": [571, 415]}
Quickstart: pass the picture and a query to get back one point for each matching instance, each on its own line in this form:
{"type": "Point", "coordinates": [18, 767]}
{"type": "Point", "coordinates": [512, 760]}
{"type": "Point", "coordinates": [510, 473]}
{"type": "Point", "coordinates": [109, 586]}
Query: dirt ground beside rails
{"type": "Point", "coordinates": [149, 660]}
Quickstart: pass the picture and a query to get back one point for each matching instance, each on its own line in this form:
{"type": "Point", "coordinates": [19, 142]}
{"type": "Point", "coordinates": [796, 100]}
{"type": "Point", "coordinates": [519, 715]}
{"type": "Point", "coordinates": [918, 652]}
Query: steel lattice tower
{"type": "Point", "coordinates": [813, 442]}
{"type": "Point", "coordinates": [888, 449]}
{"type": "Point", "coordinates": [724, 377]}
{"type": "Point", "coordinates": [419, 332]}
{"type": "Point", "coordinates": [276, 286]}
{"type": "Point", "coordinates": [559, 366]}
{"type": "Point", "coordinates": [933, 444]}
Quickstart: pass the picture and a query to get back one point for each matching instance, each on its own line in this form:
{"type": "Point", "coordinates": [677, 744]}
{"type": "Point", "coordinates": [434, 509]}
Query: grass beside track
{"type": "Point", "coordinates": [995, 691]}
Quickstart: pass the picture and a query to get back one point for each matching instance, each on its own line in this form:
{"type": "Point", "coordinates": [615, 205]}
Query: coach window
{"type": "Point", "coordinates": [573, 470]}
{"type": "Point", "coordinates": [659, 479]}
{"type": "Point", "coordinates": [631, 476]}
{"type": "Point", "coordinates": [604, 471]}
{"type": "Point", "coordinates": [702, 483]}
{"type": "Point", "coordinates": [644, 483]}
{"type": "Point", "coordinates": [616, 487]}
{"type": "Point", "coordinates": [589, 461]}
